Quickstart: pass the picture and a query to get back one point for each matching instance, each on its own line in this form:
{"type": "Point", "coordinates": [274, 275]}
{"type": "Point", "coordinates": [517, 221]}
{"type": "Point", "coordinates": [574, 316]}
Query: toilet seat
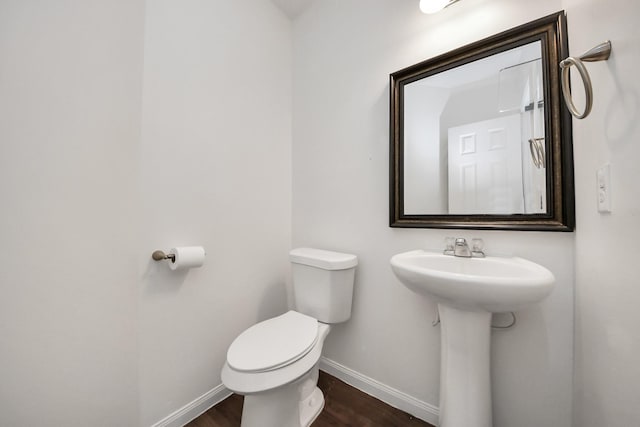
{"type": "Point", "coordinates": [273, 343]}
{"type": "Point", "coordinates": [256, 382]}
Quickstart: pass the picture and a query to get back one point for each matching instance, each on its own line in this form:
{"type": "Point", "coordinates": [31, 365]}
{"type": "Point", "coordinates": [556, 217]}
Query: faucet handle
{"type": "Point", "coordinates": [449, 243]}
{"type": "Point", "coordinates": [477, 245]}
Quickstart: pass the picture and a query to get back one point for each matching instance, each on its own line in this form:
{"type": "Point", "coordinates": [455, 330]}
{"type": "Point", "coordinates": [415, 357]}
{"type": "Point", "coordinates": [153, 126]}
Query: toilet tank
{"type": "Point", "coordinates": [323, 283]}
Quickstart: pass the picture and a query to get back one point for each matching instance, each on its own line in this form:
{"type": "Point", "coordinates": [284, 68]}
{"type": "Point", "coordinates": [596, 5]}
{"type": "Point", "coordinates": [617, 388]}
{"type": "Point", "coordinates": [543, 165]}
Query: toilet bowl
{"type": "Point", "coordinates": [274, 363]}
{"type": "Point", "coordinates": [278, 382]}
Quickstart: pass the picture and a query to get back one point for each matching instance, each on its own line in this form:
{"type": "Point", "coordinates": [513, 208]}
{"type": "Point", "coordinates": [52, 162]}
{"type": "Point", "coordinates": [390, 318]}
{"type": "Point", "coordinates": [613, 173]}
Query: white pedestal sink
{"type": "Point", "coordinates": [467, 291]}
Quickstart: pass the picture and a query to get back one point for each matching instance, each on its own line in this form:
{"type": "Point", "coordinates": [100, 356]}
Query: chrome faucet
{"type": "Point", "coordinates": [460, 248]}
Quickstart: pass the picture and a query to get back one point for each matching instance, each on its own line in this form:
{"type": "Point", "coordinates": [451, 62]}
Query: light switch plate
{"type": "Point", "coordinates": [604, 188]}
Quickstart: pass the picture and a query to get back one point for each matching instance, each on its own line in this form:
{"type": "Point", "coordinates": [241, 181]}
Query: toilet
{"type": "Point", "coordinates": [274, 363]}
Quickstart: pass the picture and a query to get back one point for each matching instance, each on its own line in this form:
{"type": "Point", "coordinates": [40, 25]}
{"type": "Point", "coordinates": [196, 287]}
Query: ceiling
{"type": "Point", "coordinates": [292, 8]}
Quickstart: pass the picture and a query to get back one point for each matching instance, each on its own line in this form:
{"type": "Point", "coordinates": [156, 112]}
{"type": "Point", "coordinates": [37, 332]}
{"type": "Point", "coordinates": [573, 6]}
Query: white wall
{"type": "Point", "coordinates": [70, 84]}
{"type": "Point", "coordinates": [215, 171]}
{"type": "Point", "coordinates": [92, 332]}
{"type": "Point", "coordinates": [343, 55]}
{"type": "Point", "coordinates": [607, 245]}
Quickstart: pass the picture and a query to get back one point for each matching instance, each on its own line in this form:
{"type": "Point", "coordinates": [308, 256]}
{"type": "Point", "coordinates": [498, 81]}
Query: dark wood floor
{"type": "Point", "coordinates": [344, 406]}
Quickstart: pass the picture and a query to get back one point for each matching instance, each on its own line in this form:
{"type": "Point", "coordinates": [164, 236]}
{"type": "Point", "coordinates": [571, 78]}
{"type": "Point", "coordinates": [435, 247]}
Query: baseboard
{"type": "Point", "coordinates": [389, 395]}
{"type": "Point", "coordinates": [194, 409]}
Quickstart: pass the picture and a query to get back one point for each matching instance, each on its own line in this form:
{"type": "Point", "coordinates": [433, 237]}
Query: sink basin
{"type": "Point", "coordinates": [493, 284]}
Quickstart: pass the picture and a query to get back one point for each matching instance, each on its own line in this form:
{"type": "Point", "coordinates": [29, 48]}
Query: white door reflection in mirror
{"type": "Point", "coordinates": [484, 167]}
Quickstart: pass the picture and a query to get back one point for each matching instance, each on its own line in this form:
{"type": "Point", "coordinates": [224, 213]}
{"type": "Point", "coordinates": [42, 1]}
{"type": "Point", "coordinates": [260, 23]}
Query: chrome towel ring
{"type": "Point", "coordinates": [598, 53]}
{"type": "Point", "coordinates": [536, 146]}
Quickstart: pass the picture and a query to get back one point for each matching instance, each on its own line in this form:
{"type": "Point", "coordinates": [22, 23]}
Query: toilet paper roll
{"type": "Point", "coordinates": [187, 257]}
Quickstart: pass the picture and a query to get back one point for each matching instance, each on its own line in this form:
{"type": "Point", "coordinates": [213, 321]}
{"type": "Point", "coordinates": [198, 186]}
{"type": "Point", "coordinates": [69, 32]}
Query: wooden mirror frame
{"type": "Point", "coordinates": [551, 31]}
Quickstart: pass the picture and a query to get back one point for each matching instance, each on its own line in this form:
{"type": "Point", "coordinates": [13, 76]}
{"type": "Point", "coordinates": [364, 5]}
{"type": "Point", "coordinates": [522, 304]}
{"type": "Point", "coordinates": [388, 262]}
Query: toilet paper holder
{"type": "Point", "coordinates": [182, 257]}
{"type": "Point", "coordinates": [160, 255]}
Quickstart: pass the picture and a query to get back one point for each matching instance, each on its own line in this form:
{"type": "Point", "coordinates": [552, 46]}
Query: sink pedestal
{"type": "Point", "coordinates": [465, 382]}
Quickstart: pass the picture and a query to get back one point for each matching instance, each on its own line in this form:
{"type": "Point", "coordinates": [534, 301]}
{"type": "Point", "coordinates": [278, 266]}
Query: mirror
{"type": "Point", "coordinates": [480, 138]}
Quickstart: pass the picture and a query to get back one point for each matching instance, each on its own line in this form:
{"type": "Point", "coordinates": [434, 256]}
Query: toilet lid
{"type": "Point", "coordinates": [273, 343]}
